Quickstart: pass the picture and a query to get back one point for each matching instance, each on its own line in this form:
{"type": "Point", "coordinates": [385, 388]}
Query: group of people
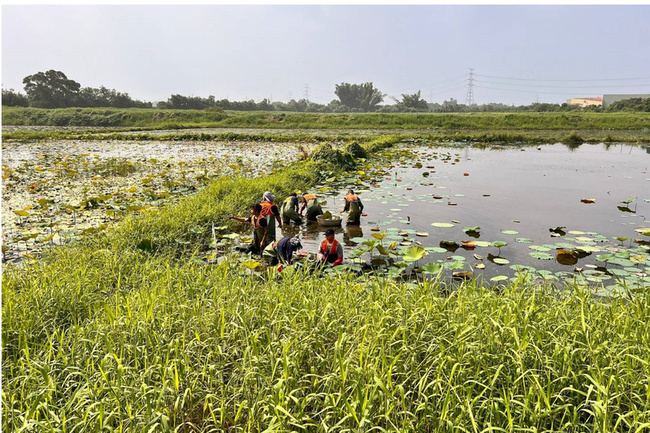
{"type": "Point", "coordinates": [266, 214]}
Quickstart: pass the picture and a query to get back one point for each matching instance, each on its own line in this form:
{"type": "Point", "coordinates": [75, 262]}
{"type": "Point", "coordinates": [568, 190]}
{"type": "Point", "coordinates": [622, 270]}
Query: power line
{"type": "Point", "coordinates": [525, 91]}
{"type": "Point", "coordinates": [567, 80]}
{"type": "Point", "coordinates": [564, 87]}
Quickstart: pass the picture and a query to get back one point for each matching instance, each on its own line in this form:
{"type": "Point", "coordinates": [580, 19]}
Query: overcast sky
{"type": "Point", "coordinates": [520, 54]}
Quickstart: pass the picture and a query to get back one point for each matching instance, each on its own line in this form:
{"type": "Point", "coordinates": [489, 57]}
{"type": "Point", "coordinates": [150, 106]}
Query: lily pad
{"type": "Point", "coordinates": [510, 232]}
{"type": "Point", "coordinates": [432, 268]}
{"type": "Point", "coordinates": [443, 225]}
{"type": "Point", "coordinates": [413, 253]}
{"type": "Point", "coordinates": [541, 256]}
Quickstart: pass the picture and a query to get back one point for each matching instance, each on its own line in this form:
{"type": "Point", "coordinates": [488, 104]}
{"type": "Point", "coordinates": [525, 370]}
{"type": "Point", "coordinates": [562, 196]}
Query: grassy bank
{"type": "Point", "coordinates": [171, 119]}
{"type": "Point", "coordinates": [109, 335]}
{"type": "Point", "coordinates": [500, 136]}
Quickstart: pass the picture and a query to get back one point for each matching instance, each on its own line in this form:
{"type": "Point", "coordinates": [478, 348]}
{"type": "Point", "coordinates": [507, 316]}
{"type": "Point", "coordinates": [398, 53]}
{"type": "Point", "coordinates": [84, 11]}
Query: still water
{"type": "Point", "coordinates": [522, 191]}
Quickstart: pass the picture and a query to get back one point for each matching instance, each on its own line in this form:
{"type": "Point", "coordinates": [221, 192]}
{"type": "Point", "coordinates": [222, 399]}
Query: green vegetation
{"type": "Point", "coordinates": [130, 330]}
{"type": "Point", "coordinates": [136, 124]}
{"type": "Point", "coordinates": [153, 118]}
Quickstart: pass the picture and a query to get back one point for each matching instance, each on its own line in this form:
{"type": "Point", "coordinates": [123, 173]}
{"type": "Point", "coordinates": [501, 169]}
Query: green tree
{"type": "Point", "coordinates": [359, 97]}
{"type": "Point", "coordinates": [51, 89]}
{"type": "Point", "coordinates": [413, 102]}
{"type": "Point", "coordinates": [11, 98]}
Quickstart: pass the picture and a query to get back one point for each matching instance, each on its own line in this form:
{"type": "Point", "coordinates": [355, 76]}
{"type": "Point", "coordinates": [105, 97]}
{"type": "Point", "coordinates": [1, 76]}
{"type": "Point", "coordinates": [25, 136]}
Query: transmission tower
{"type": "Point", "coordinates": [469, 100]}
{"type": "Point", "coordinates": [307, 92]}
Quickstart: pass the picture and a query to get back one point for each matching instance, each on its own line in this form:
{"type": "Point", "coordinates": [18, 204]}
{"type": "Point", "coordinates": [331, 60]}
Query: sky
{"type": "Point", "coordinates": [518, 54]}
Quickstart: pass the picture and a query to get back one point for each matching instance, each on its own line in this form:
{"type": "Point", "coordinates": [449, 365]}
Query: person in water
{"type": "Point", "coordinates": [289, 210]}
{"type": "Point", "coordinates": [331, 251]}
{"type": "Point", "coordinates": [260, 228]}
{"type": "Point", "coordinates": [310, 202]}
{"type": "Point", "coordinates": [282, 251]}
{"type": "Point", "coordinates": [353, 207]}
{"type": "Point", "coordinates": [271, 213]}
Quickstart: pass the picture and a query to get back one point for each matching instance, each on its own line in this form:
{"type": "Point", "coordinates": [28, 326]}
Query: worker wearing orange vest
{"type": "Point", "coordinates": [331, 251]}
{"type": "Point", "coordinates": [272, 214]}
{"type": "Point", "coordinates": [260, 228]}
{"type": "Point", "coordinates": [310, 202]}
{"type": "Point", "coordinates": [354, 207]}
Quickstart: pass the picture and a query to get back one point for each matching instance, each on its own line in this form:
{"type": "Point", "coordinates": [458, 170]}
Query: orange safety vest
{"type": "Point", "coordinates": [255, 221]}
{"type": "Point", "coordinates": [266, 208]}
{"type": "Point", "coordinates": [332, 255]}
{"type": "Point", "coordinates": [308, 197]}
{"type": "Point", "coordinates": [351, 197]}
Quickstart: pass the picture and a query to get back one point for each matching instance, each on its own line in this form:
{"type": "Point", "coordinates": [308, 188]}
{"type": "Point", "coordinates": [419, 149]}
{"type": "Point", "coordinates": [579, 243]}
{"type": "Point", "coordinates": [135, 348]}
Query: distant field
{"type": "Point", "coordinates": [161, 119]}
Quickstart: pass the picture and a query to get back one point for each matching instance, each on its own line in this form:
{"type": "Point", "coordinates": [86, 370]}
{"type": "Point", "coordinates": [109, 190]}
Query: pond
{"type": "Point", "coordinates": [57, 190]}
{"type": "Point", "coordinates": [560, 212]}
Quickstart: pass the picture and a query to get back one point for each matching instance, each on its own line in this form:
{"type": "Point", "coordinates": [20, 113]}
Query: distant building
{"type": "Point", "coordinates": [585, 102]}
{"type": "Point", "coordinates": [610, 99]}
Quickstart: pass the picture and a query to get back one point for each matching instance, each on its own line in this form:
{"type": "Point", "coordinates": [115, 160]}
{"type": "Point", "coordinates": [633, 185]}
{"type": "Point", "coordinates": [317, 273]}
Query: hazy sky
{"type": "Point", "coordinates": [520, 54]}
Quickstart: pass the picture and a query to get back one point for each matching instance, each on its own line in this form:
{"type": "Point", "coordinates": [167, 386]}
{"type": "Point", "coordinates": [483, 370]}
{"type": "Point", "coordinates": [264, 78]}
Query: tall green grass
{"type": "Point", "coordinates": [178, 346]}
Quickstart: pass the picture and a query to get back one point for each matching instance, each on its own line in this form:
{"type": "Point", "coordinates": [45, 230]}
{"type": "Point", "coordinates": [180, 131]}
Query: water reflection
{"type": "Point", "coordinates": [351, 232]}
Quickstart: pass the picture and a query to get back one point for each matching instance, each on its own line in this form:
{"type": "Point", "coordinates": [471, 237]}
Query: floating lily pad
{"type": "Point", "coordinates": [509, 232]}
{"type": "Point", "coordinates": [524, 240]}
{"type": "Point", "coordinates": [499, 278]}
{"type": "Point", "coordinates": [541, 256]}
{"type": "Point", "coordinates": [422, 234]}
{"type": "Point", "coordinates": [443, 225]}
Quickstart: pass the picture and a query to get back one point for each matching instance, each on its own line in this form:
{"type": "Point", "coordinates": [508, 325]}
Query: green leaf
{"type": "Point", "coordinates": [432, 268]}
{"type": "Point", "coordinates": [413, 253]}
{"type": "Point", "coordinates": [443, 225]}
{"type": "Point", "coordinates": [541, 256]}
{"type": "Point", "coordinates": [251, 264]}
{"type": "Point", "coordinates": [509, 232]}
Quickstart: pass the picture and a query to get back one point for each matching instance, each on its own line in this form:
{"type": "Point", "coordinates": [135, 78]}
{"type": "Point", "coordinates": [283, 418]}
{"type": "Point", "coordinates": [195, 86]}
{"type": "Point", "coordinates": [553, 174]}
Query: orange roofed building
{"type": "Point", "coordinates": [585, 102]}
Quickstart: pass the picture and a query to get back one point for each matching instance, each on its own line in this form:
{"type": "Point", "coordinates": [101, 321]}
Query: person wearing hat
{"type": "Point", "coordinates": [271, 213]}
{"type": "Point", "coordinates": [289, 210]}
{"type": "Point", "coordinates": [310, 202]}
{"type": "Point", "coordinates": [331, 251]}
{"type": "Point", "coordinates": [354, 207]}
{"type": "Point", "coordinates": [282, 251]}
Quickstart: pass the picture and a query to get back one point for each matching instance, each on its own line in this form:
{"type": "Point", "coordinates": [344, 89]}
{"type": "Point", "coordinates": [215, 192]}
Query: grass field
{"type": "Point", "coordinates": [161, 119]}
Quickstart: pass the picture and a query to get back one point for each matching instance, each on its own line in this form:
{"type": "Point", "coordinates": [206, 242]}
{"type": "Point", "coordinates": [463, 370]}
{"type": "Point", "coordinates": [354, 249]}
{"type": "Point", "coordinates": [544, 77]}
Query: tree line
{"type": "Point", "coordinates": [53, 89]}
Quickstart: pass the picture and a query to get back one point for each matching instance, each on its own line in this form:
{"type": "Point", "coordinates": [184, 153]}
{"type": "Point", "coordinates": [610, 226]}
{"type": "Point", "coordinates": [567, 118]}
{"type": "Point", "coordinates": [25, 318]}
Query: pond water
{"type": "Point", "coordinates": [559, 209]}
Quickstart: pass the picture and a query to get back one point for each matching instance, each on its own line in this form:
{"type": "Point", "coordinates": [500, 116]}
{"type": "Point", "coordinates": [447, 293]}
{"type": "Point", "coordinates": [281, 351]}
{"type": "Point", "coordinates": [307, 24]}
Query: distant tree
{"type": "Point", "coordinates": [359, 97]}
{"type": "Point", "coordinates": [11, 98]}
{"type": "Point", "coordinates": [413, 102]}
{"type": "Point", "coordinates": [632, 104]}
{"type": "Point", "coordinates": [51, 89]}
{"type": "Point", "coordinates": [103, 97]}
